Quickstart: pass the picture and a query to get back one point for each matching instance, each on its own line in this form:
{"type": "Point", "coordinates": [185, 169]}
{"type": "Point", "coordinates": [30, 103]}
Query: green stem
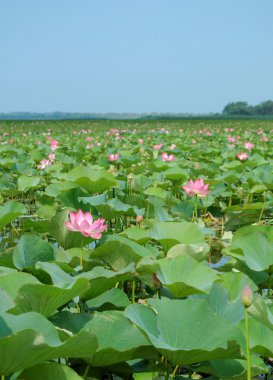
{"type": "Point", "coordinates": [167, 374]}
{"type": "Point", "coordinates": [262, 210]}
{"type": "Point", "coordinates": [174, 371]}
{"type": "Point", "coordinates": [81, 254]}
{"type": "Point", "coordinates": [86, 371]}
{"type": "Point", "coordinates": [147, 211]}
{"type": "Point", "coordinates": [194, 215]}
{"type": "Point", "coordinates": [269, 285]}
{"type": "Point", "coordinates": [247, 345]}
{"type": "Point", "coordinates": [133, 291]}
{"type": "Point", "coordinates": [2, 377]}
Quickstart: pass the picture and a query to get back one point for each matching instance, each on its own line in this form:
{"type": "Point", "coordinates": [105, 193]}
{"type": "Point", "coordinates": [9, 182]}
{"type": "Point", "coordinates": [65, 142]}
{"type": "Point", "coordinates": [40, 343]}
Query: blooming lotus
{"type": "Point", "coordinates": [51, 157]}
{"type": "Point", "coordinates": [231, 139]}
{"type": "Point", "coordinates": [54, 144]}
{"type": "Point", "coordinates": [242, 156]}
{"type": "Point", "coordinates": [83, 223]}
{"type": "Point", "coordinates": [158, 146]}
{"type": "Point", "coordinates": [248, 145]}
{"type": "Point", "coordinates": [44, 163]}
{"type": "Point", "coordinates": [196, 188]}
{"type": "Point", "coordinates": [113, 157]}
{"type": "Point", "coordinates": [167, 158]}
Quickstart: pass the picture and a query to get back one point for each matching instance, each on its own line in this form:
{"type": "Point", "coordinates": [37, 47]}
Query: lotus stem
{"type": "Point", "coordinates": [262, 210]}
{"type": "Point", "coordinates": [247, 345]}
{"type": "Point", "coordinates": [2, 377]}
{"type": "Point", "coordinates": [174, 371]}
{"type": "Point", "coordinates": [167, 374]}
{"type": "Point", "coordinates": [86, 371]}
{"type": "Point", "coordinates": [81, 254]}
{"type": "Point", "coordinates": [269, 285]}
{"type": "Point", "coordinates": [133, 291]}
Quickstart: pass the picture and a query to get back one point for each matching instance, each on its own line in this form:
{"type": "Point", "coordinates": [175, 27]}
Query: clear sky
{"type": "Point", "coordinates": [134, 55]}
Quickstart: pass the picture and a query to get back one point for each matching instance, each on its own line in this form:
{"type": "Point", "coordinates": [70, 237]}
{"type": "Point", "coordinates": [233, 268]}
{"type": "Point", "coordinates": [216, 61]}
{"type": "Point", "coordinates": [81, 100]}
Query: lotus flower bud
{"type": "Point", "coordinates": [139, 218]}
{"type": "Point", "coordinates": [247, 296]}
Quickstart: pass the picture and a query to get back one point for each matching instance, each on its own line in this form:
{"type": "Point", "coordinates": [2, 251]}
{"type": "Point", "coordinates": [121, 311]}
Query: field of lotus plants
{"type": "Point", "coordinates": [136, 250]}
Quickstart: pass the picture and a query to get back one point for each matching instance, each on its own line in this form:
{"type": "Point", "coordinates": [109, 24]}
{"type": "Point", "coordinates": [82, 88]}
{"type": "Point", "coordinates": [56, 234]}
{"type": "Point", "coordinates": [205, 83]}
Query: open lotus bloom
{"type": "Point", "coordinates": [113, 157]}
{"type": "Point", "coordinates": [242, 156]}
{"type": "Point", "coordinates": [83, 223]}
{"type": "Point", "coordinates": [248, 145]}
{"type": "Point", "coordinates": [196, 188]}
{"type": "Point", "coordinates": [167, 158]}
{"type": "Point", "coordinates": [54, 144]}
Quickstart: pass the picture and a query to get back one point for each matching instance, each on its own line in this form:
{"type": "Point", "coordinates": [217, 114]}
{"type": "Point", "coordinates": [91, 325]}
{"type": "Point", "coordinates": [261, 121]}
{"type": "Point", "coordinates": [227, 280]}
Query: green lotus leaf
{"type": "Point", "coordinates": [253, 245]}
{"type": "Point", "coordinates": [235, 282]}
{"type": "Point", "coordinates": [197, 251]}
{"type": "Point", "coordinates": [156, 192]}
{"type": "Point", "coordinates": [176, 174]}
{"type": "Point", "coordinates": [93, 181]}
{"type": "Point", "coordinates": [70, 199]}
{"type": "Point", "coordinates": [233, 369]}
{"type": "Point", "coordinates": [45, 299]}
{"type": "Point", "coordinates": [56, 188]}
{"type": "Point", "coordinates": [260, 338]}
{"type": "Point", "coordinates": [172, 233]}
{"type": "Point", "coordinates": [113, 298]}
{"type": "Point", "coordinates": [119, 252]}
{"type": "Point", "coordinates": [6, 301]}
{"type": "Point", "coordinates": [118, 340]}
{"type": "Point", "coordinates": [169, 326]}
{"type": "Point", "coordinates": [137, 234]}
{"type": "Point", "coordinates": [36, 340]}
{"type": "Point", "coordinates": [220, 301]}
{"type": "Point", "coordinates": [261, 311]}
{"type": "Point", "coordinates": [10, 211]}
{"type": "Point", "coordinates": [26, 182]}
{"type": "Point", "coordinates": [101, 279]}
{"type": "Point", "coordinates": [30, 249]}
{"type": "Point", "coordinates": [182, 275]}
{"type": "Point", "coordinates": [49, 371]}
{"type": "Point", "coordinates": [114, 207]}
{"type": "Point", "coordinates": [11, 283]}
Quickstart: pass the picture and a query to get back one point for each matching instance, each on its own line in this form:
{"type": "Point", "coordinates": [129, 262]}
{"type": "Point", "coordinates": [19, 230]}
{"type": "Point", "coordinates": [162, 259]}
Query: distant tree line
{"type": "Point", "coordinates": [243, 108]}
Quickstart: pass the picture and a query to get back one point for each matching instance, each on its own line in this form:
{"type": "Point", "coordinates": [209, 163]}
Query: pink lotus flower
{"type": "Point", "coordinates": [172, 147]}
{"type": "Point", "coordinates": [167, 158]}
{"type": "Point", "coordinates": [231, 139]}
{"type": "Point", "coordinates": [242, 156]}
{"type": "Point", "coordinates": [54, 144]}
{"type": "Point", "coordinates": [158, 146]}
{"type": "Point", "coordinates": [196, 188]}
{"type": "Point", "coordinates": [113, 157]}
{"type": "Point", "coordinates": [83, 223]}
{"type": "Point", "coordinates": [140, 141]}
{"type": "Point", "coordinates": [44, 163]}
{"type": "Point", "coordinates": [248, 145]}
{"type": "Point", "coordinates": [51, 157]}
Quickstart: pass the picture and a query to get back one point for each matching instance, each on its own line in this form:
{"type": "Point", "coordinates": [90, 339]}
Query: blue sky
{"type": "Point", "coordinates": [134, 55]}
